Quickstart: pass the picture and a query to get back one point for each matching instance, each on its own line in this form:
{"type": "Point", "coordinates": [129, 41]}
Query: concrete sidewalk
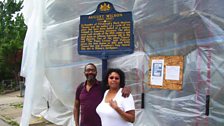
{"type": "Point", "coordinates": [11, 111]}
{"type": "Point", "coordinates": [11, 107]}
{"type": "Point", "coordinates": [2, 123]}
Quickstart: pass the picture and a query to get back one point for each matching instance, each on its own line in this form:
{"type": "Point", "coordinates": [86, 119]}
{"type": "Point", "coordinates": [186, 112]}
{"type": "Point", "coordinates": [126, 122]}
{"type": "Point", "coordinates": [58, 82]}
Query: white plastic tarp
{"type": "Point", "coordinates": [192, 28]}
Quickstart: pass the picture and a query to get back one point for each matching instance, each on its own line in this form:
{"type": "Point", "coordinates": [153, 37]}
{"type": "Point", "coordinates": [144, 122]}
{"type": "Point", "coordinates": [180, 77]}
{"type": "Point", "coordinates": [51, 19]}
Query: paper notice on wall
{"type": "Point", "coordinates": [157, 72]}
{"type": "Point", "coordinates": [172, 73]}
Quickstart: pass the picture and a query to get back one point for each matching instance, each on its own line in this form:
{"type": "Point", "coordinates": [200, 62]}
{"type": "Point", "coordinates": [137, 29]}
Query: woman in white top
{"type": "Point", "coordinates": [115, 110]}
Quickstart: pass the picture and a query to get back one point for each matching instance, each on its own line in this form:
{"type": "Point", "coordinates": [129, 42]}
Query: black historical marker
{"type": "Point", "coordinates": [106, 33]}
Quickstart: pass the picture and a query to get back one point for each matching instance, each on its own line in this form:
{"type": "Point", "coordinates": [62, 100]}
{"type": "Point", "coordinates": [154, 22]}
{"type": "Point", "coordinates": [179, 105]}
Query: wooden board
{"type": "Point", "coordinates": [176, 61]}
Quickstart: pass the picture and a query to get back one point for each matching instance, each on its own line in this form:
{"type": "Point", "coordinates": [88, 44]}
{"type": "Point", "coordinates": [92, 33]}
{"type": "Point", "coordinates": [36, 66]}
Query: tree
{"type": "Point", "coordinates": [12, 34]}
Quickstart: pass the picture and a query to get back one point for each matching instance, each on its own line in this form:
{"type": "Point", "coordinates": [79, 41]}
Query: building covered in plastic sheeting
{"type": "Point", "coordinates": [190, 28]}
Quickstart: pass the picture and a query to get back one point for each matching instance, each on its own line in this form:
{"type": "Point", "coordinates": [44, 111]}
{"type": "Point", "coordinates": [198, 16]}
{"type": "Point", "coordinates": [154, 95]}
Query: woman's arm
{"type": "Point", "coordinates": [128, 116]}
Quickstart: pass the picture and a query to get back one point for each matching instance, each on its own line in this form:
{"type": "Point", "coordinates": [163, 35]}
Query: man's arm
{"type": "Point", "coordinates": [126, 91]}
{"type": "Point", "coordinates": [76, 112]}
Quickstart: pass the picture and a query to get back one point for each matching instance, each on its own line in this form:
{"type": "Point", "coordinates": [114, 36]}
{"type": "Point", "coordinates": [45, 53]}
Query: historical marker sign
{"type": "Point", "coordinates": [106, 33]}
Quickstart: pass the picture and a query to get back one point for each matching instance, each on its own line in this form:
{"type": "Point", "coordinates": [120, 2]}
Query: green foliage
{"type": "Point", "coordinates": [12, 34]}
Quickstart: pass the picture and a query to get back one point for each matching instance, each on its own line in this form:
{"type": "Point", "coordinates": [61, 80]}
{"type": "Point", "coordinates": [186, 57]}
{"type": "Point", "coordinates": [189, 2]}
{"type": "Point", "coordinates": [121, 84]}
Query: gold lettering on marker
{"type": "Point", "coordinates": [107, 35]}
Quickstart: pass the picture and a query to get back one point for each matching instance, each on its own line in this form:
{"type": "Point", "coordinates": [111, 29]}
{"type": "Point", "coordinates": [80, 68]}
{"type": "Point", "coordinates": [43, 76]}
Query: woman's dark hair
{"type": "Point", "coordinates": [119, 72]}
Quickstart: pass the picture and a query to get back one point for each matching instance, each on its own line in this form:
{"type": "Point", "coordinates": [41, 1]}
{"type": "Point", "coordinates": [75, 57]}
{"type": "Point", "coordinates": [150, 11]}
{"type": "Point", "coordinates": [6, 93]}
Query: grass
{"type": "Point", "coordinates": [17, 105]}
